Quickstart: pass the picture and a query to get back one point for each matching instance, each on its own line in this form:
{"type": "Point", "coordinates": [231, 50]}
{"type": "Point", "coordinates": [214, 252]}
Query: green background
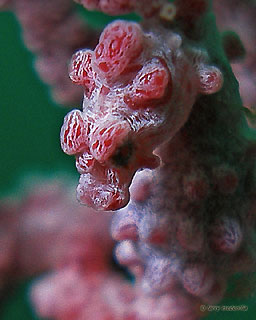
{"type": "Point", "coordinates": [29, 142]}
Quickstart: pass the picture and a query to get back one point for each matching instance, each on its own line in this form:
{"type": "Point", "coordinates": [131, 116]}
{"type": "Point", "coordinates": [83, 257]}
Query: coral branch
{"type": "Point", "coordinates": [162, 99]}
{"type": "Point", "coordinates": [53, 30]}
{"type": "Point", "coordinates": [161, 139]}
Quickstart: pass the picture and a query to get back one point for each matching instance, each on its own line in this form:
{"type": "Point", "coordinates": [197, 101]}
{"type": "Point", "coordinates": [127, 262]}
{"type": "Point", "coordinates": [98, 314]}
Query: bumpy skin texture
{"type": "Point", "coordinates": [76, 251]}
{"type": "Point", "coordinates": [139, 90]}
{"type": "Point", "coordinates": [169, 98]}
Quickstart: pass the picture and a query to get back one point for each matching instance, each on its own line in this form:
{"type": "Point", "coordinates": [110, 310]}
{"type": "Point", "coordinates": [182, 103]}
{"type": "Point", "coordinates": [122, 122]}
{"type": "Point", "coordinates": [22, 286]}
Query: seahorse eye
{"type": "Point", "coordinates": [123, 154]}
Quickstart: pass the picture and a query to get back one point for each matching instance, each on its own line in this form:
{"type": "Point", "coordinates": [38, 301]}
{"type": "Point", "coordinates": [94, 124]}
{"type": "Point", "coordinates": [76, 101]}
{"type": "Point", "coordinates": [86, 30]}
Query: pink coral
{"type": "Point", "coordinates": [162, 139]}
{"type": "Point", "coordinates": [119, 45]}
{"type": "Point", "coordinates": [53, 30]}
{"type": "Point", "coordinates": [41, 234]}
{"type": "Point", "coordinates": [161, 99]}
{"type": "Point", "coordinates": [72, 294]}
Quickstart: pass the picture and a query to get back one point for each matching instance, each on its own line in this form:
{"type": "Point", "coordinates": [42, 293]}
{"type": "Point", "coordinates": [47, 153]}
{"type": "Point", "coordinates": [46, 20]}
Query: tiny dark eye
{"type": "Point", "coordinates": [123, 154]}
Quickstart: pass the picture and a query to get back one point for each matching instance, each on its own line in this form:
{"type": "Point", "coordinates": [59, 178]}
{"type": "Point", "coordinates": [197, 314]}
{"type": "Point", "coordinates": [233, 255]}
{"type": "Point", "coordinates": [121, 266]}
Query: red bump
{"type": "Point", "coordinates": [119, 44]}
{"type": "Point", "coordinates": [73, 137]}
{"type": "Point", "coordinates": [198, 280]}
{"type": "Point", "coordinates": [210, 80]}
{"type": "Point", "coordinates": [104, 140]}
{"type": "Point", "coordinates": [80, 70]}
{"type": "Point", "coordinates": [226, 235]}
{"type": "Point", "coordinates": [149, 86]}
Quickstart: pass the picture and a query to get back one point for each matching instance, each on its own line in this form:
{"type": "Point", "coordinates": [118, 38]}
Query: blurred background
{"type": "Point", "coordinates": [29, 142]}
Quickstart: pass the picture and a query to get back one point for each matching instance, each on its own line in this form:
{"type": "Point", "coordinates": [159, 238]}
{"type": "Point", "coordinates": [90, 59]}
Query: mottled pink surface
{"type": "Point", "coordinates": [139, 90]}
{"type": "Point", "coordinates": [162, 140]}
